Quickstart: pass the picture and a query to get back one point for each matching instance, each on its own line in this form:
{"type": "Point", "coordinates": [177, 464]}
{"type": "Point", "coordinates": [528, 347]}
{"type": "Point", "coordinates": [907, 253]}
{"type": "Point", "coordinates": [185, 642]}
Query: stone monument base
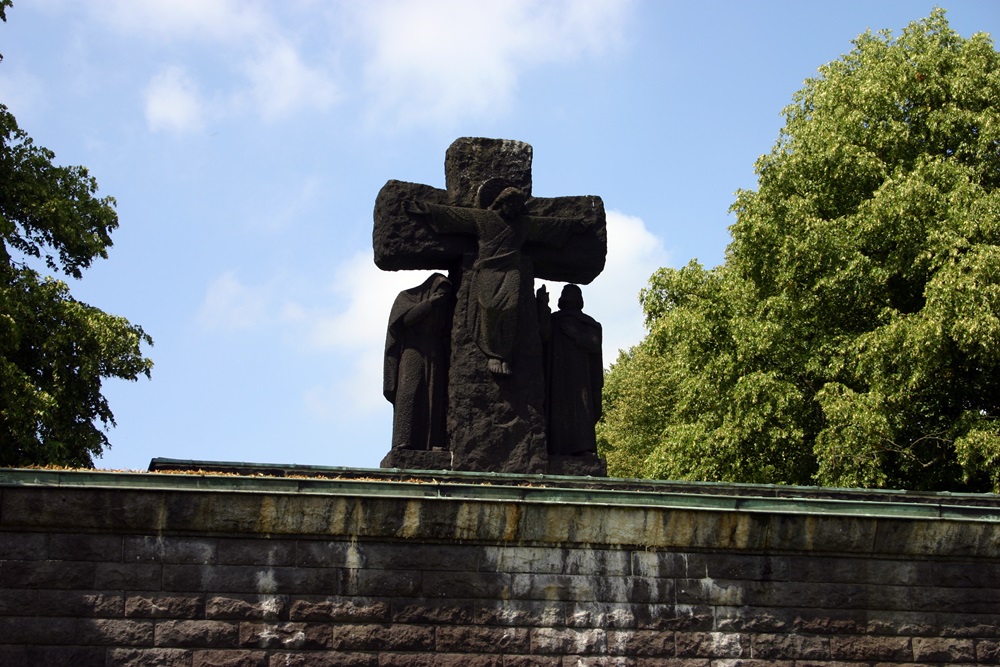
{"type": "Point", "coordinates": [417, 459]}
{"type": "Point", "coordinates": [397, 459]}
{"type": "Point", "coordinates": [420, 459]}
{"type": "Point", "coordinates": [577, 466]}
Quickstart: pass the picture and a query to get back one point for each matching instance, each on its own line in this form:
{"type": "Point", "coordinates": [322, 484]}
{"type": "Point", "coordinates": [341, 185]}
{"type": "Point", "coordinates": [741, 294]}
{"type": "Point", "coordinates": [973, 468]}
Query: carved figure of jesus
{"type": "Point", "coordinates": [502, 227]}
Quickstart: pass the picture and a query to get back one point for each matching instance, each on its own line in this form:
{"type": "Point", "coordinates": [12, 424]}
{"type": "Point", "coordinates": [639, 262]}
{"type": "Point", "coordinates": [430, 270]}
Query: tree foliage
{"type": "Point", "coordinates": [852, 336]}
{"type": "Point", "coordinates": [54, 350]}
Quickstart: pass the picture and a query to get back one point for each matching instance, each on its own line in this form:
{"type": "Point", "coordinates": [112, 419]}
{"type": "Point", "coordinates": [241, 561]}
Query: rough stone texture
{"type": "Point", "coordinates": [184, 571]}
{"type": "Point", "coordinates": [577, 466]}
{"type": "Point", "coordinates": [417, 459]}
{"type": "Point", "coordinates": [495, 422]}
{"type": "Point", "coordinates": [399, 244]}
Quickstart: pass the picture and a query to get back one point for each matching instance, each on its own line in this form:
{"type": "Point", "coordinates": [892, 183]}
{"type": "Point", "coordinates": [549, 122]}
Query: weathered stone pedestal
{"type": "Point", "coordinates": [417, 459]}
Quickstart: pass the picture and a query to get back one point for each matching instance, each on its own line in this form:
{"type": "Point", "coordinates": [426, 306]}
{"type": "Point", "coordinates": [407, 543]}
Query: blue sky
{"type": "Point", "coordinates": [245, 142]}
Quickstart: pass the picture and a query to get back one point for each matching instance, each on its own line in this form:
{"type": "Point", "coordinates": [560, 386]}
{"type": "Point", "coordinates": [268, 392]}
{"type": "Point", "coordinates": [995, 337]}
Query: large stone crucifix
{"type": "Point", "coordinates": [493, 239]}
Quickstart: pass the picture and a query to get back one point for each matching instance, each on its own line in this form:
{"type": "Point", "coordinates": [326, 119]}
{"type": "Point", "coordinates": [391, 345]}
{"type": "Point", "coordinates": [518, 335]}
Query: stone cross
{"type": "Point", "coordinates": [493, 239]}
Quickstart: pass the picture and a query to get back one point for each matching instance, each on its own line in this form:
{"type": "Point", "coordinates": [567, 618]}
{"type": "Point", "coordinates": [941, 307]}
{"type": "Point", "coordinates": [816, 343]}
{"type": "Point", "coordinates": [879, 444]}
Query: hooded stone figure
{"type": "Point", "coordinates": [415, 373]}
{"type": "Point", "coordinates": [574, 376]}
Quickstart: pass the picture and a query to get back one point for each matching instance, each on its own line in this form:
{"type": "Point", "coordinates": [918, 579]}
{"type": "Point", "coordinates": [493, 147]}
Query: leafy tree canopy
{"type": "Point", "coordinates": [852, 336]}
{"type": "Point", "coordinates": [54, 350]}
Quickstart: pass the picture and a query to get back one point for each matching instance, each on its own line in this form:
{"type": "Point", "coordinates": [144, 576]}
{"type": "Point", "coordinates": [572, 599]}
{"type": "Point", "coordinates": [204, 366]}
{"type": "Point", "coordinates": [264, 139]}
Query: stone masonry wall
{"type": "Point", "coordinates": [198, 571]}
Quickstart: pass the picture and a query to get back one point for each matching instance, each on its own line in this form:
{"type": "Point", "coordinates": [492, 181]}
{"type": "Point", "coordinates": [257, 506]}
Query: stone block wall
{"type": "Point", "coordinates": [199, 571]}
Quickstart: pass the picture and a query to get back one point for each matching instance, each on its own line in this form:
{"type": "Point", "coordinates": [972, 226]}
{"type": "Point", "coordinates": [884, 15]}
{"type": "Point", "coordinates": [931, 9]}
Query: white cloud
{"type": "Point", "coordinates": [448, 59]}
{"type": "Point", "coordinates": [281, 83]}
{"type": "Point", "coordinates": [215, 20]}
{"type": "Point", "coordinates": [231, 305]}
{"type": "Point", "coordinates": [358, 330]}
{"type": "Point", "coordinates": [172, 102]}
{"type": "Point", "coordinates": [422, 61]}
{"type": "Point", "coordinates": [634, 253]}
{"type": "Point", "coordinates": [353, 332]}
{"type": "Point", "coordinates": [368, 293]}
{"type": "Point", "coordinates": [269, 75]}
{"type": "Point", "coordinates": [357, 333]}
{"type": "Point", "coordinates": [351, 335]}
{"type": "Point", "coordinates": [356, 393]}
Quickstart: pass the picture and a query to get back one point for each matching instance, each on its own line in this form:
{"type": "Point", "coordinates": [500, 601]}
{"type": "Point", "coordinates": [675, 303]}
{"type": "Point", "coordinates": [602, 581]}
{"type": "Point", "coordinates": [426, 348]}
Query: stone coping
{"type": "Point", "coordinates": [542, 489]}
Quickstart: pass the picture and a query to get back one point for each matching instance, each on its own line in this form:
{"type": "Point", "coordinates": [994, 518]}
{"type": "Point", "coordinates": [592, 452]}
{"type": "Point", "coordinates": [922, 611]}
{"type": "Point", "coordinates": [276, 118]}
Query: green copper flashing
{"type": "Point", "coordinates": [540, 489]}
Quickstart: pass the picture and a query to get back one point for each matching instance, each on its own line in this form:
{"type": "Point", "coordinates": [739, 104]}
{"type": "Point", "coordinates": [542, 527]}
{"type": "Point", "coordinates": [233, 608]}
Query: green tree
{"type": "Point", "coordinates": [852, 336]}
{"type": "Point", "coordinates": [54, 350]}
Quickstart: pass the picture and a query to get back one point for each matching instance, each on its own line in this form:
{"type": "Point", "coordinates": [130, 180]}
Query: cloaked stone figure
{"type": "Point", "coordinates": [493, 238]}
{"type": "Point", "coordinates": [415, 373]}
{"type": "Point", "coordinates": [574, 376]}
